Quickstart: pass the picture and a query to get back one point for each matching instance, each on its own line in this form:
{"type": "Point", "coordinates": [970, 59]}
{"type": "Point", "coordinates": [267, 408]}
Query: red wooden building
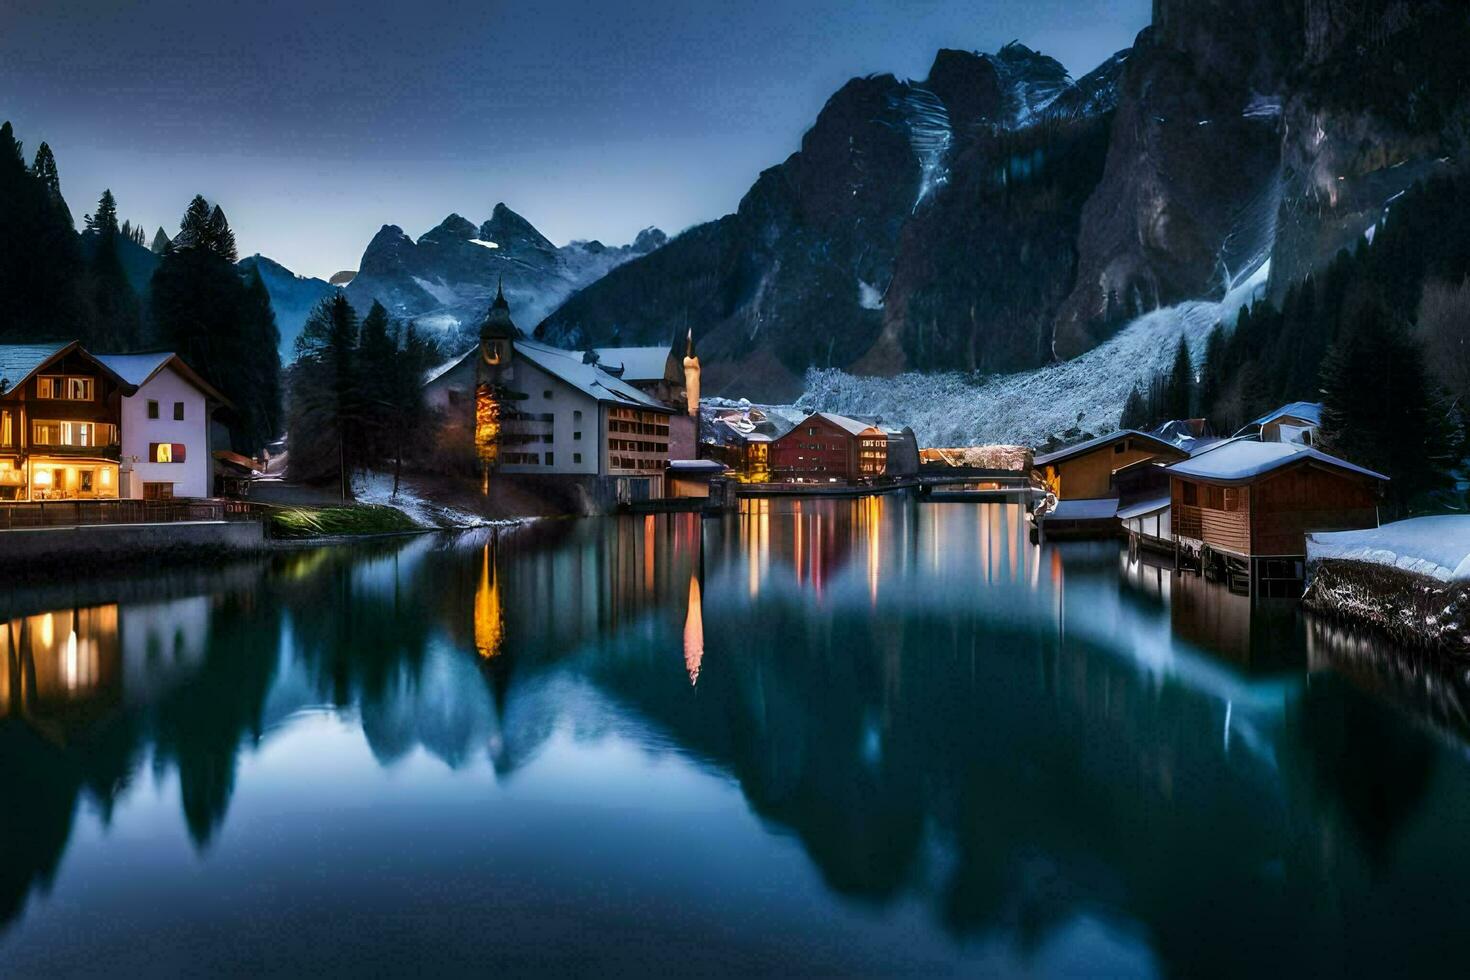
{"type": "Point", "coordinates": [827, 448]}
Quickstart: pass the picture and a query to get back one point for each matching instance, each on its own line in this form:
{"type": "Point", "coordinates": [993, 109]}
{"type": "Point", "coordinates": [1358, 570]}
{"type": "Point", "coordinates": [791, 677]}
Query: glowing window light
{"type": "Point", "coordinates": [43, 478]}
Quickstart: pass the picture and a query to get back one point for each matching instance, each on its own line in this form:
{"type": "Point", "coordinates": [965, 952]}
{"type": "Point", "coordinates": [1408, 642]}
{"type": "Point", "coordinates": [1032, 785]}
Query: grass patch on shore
{"type": "Point", "coordinates": [328, 522]}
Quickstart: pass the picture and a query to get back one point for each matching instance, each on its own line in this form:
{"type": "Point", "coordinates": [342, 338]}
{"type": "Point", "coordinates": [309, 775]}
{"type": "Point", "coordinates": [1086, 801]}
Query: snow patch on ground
{"type": "Point", "coordinates": [483, 243]}
{"type": "Point", "coordinates": [1438, 547]}
{"type": "Point", "coordinates": [1024, 409]}
{"type": "Point", "coordinates": [377, 489]}
{"type": "Point", "coordinates": [869, 298]}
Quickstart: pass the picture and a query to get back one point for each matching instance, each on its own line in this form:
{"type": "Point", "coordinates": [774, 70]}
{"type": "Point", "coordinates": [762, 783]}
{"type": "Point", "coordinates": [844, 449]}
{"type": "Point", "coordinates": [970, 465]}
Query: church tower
{"type": "Point", "coordinates": [497, 337]}
{"type": "Point", "coordinates": [691, 375]}
{"type": "Point", "coordinates": [495, 368]}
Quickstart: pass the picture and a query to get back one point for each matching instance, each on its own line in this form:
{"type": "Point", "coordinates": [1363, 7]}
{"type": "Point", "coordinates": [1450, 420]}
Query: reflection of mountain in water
{"type": "Point", "coordinates": [936, 709]}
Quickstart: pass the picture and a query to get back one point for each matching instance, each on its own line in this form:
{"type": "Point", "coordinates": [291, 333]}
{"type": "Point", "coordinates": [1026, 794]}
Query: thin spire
{"type": "Point", "coordinates": [689, 347]}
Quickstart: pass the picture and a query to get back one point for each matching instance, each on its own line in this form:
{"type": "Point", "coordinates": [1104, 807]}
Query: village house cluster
{"type": "Point", "coordinates": [1238, 509]}
{"type": "Point", "coordinates": [626, 424]}
{"type": "Point", "coordinates": [75, 425]}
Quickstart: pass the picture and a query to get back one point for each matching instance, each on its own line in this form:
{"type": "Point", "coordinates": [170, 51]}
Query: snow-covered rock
{"type": "Point", "coordinates": [1438, 547]}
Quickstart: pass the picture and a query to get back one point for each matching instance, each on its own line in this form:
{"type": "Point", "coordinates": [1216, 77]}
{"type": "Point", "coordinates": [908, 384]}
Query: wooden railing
{"type": "Point", "coordinates": [72, 513]}
{"type": "Point", "coordinates": [1228, 529]}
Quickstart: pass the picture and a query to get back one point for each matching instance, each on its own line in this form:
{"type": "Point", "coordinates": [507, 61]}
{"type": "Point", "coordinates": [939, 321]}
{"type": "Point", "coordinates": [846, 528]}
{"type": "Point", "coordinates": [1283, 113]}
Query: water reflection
{"type": "Point", "coordinates": [1053, 752]}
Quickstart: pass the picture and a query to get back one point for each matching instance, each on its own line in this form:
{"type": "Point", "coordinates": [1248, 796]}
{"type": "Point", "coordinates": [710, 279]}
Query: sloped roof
{"type": "Point", "coordinates": [638, 363]}
{"type": "Point", "coordinates": [569, 366]}
{"type": "Point", "coordinates": [138, 369]}
{"type": "Point", "coordinates": [135, 368]}
{"type": "Point", "coordinates": [19, 361]}
{"type": "Point", "coordinates": [587, 378]}
{"type": "Point", "coordinates": [1242, 461]}
{"type": "Point", "coordinates": [848, 424]}
{"type": "Point", "coordinates": [1143, 507]}
{"type": "Point", "coordinates": [1104, 440]}
{"type": "Point", "coordinates": [1307, 411]}
{"type": "Point", "coordinates": [1089, 509]}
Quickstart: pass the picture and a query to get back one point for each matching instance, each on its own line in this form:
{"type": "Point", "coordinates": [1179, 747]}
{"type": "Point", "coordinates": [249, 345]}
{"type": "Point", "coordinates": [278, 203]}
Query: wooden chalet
{"type": "Point", "coordinates": [1242, 510]}
{"type": "Point", "coordinates": [60, 423]}
{"type": "Point", "coordinates": [1085, 471]}
{"type": "Point", "coordinates": [1090, 480]}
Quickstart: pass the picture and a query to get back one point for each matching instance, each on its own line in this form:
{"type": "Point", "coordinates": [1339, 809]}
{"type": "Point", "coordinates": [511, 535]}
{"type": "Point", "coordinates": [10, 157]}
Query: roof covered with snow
{"type": "Point", "coordinates": [138, 369]}
{"type": "Point", "coordinates": [569, 366]}
{"type": "Point", "coordinates": [843, 422]}
{"type": "Point", "coordinates": [1101, 441]}
{"type": "Point", "coordinates": [1438, 547]}
{"type": "Point", "coordinates": [638, 363]}
{"type": "Point", "coordinates": [1243, 460]}
{"type": "Point", "coordinates": [1144, 507]}
{"type": "Point", "coordinates": [17, 361]}
{"type": "Point", "coordinates": [1306, 411]}
{"type": "Point", "coordinates": [135, 368]}
{"type": "Point", "coordinates": [591, 380]}
{"type": "Point", "coordinates": [1092, 509]}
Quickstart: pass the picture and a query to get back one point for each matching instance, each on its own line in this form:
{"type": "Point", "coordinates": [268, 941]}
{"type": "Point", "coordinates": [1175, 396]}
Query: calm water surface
{"type": "Point", "coordinates": [873, 736]}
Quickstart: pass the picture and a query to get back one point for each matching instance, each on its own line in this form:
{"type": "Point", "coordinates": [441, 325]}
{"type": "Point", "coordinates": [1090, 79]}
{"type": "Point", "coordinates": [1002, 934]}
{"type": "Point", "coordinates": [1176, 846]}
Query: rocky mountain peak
{"type": "Point", "coordinates": [649, 239]}
{"type": "Point", "coordinates": [452, 228]}
{"type": "Point", "coordinates": [508, 230]}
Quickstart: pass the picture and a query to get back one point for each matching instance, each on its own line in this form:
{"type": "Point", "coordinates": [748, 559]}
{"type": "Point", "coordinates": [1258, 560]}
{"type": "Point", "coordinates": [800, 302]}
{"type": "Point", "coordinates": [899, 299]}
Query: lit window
{"type": "Point", "coordinates": [166, 452]}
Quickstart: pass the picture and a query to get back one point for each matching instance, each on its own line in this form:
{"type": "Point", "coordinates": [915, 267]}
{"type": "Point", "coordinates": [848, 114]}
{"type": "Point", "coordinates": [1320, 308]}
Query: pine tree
{"type": "Point", "coordinates": [104, 221]}
{"type": "Point", "coordinates": [204, 311]}
{"type": "Point", "coordinates": [40, 258]}
{"type": "Point", "coordinates": [260, 359]}
{"type": "Point", "coordinates": [221, 238]}
{"type": "Point", "coordinates": [377, 352]}
{"type": "Point", "coordinates": [1135, 411]}
{"type": "Point", "coordinates": [1382, 410]}
{"type": "Point", "coordinates": [115, 322]}
{"type": "Point", "coordinates": [1212, 373]}
{"type": "Point", "coordinates": [43, 168]}
{"type": "Point", "coordinates": [326, 397]}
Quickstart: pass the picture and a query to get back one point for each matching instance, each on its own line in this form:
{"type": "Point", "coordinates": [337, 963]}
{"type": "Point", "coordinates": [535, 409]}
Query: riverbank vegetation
{"type": "Point", "coordinates": [328, 522]}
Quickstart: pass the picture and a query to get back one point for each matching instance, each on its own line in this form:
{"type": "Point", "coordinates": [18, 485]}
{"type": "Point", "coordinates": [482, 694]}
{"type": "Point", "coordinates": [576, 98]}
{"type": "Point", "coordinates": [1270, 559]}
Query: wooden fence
{"type": "Point", "coordinates": [72, 513]}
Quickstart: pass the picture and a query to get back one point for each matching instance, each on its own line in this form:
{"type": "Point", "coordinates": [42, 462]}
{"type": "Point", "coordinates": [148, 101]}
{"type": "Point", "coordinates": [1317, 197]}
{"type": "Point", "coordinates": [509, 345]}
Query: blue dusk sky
{"type": "Point", "coordinates": [313, 124]}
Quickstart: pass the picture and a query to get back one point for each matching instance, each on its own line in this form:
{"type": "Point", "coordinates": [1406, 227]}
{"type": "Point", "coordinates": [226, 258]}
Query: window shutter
{"type": "Point", "coordinates": [178, 452]}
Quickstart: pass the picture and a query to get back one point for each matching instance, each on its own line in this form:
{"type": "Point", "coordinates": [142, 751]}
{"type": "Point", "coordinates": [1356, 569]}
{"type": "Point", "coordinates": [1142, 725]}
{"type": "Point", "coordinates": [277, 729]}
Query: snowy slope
{"type": "Point", "coordinates": [1025, 408]}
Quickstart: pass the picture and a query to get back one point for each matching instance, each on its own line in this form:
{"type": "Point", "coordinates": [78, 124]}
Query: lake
{"type": "Point", "coordinates": [867, 736]}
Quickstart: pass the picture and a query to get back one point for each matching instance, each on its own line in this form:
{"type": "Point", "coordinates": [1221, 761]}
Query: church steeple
{"type": "Point", "coordinates": [497, 323]}
{"type": "Point", "coordinates": [498, 332]}
{"type": "Point", "coordinates": [691, 374]}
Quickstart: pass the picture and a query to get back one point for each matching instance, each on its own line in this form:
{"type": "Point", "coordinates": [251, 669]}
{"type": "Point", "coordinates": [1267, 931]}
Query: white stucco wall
{"type": "Point", "coordinates": [190, 478]}
{"type": "Point", "coordinates": [564, 403]}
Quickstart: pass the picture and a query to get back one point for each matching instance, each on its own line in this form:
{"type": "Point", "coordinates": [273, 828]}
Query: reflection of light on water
{"type": "Point", "coordinates": [57, 656]}
{"type": "Point", "coordinates": [694, 632]}
{"type": "Point", "coordinates": [489, 630]}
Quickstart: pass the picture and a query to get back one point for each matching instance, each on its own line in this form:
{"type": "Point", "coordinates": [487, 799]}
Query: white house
{"type": "Point", "coordinates": [563, 413]}
{"type": "Point", "coordinates": [166, 449]}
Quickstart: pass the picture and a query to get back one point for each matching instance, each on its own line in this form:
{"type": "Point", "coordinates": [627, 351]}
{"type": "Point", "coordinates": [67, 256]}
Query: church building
{"type": "Point", "coordinates": [524, 408]}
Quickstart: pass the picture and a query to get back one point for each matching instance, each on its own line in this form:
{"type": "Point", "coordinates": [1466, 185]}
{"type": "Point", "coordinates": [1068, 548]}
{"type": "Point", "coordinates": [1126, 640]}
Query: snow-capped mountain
{"type": "Point", "coordinates": [896, 186]}
{"type": "Point", "coordinates": [446, 279]}
{"type": "Point", "coordinates": [997, 216]}
{"type": "Point", "coordinates": [292, 297]}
